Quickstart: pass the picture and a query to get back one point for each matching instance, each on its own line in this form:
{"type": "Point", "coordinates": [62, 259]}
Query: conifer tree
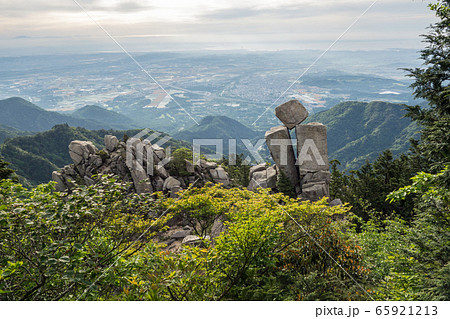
{"type": "Point", "coordinates": [284, 185]}
{"type": "Point", "coordinates": [431, 82]}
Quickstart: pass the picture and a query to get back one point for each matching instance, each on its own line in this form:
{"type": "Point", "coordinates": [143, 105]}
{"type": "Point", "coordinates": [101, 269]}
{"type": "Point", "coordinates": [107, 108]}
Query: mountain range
{"type": "Point", "coordinates": [223, 128]}
{"type": "Point", "coordinates": [20, 114]}
{"type": "Point", "coordinates": [357, 131]}
{"type": "Point", "coordinates": [360, 131]}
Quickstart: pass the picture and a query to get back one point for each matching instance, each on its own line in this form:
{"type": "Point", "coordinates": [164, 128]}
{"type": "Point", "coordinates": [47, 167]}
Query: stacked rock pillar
{"type": "Point", "coordinates": [309, 174]}
{"type": "Point", "coordinates": [279, 142]}
{"type": "Point", "coordinates": [312, 161]}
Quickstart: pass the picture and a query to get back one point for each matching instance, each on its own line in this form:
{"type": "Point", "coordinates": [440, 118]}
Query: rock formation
{"type": "Point", "coordinates": [308, 170]}
{"type": "Point", "coordinates": [280, 146]}
{"type": "Point", "coordinates": [291, 113]}
{"type": "Point", "coordinates": [136, 161]}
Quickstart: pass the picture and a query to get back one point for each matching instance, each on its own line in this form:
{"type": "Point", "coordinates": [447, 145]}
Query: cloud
{"type": "Point", "coordinates": [27, 7]}
{"type": "Point", "coordinates": [157, 23]}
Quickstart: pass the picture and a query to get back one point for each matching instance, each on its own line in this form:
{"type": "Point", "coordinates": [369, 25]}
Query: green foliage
{"type": "Point", "coordinates": [387, 250]}
{"type": "Point", "coordinates": [263, 254]}
{"type": "Point", "coordinates": [177, 166]}
{"type": "Point", "coordinates": [5, 172]}
{"type": "Point", "coordinates": [366, 189]}
{"type": "Point", "coordinates": [410, 260]}
{"type": "Point", "coordinates": [238, 173]}
{"type": "Point", "coordinates": [430, 232]}
{"type": "Point", "coordinates": [284, 185]}
{"type": "Point", "coordinates": [360, 131]}
{"type": "Point", "coordinates": [431, 84]}
{"type": "Point", "coordinates": [10, 132]}
{"type": "Point", "coordinates": [55, 245]}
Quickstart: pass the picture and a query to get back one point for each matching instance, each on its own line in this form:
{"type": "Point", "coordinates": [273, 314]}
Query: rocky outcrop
{"type": "Point", "coordinates": [136, 161]}
{"type": "Point", "coordinates": [111, 143]}
{"type": "Point", "coordinates": [280, 146]}
{"type": "Point", "coordinates": [263, 178]}
{"type": "Point", "coordinates": [308, 170]}
{"type": "Point", "coordinates": [312, 159]}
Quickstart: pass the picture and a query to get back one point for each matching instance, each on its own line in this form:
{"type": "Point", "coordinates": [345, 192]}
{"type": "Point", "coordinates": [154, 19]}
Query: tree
{"type": "Point", "coordinates": [239, 172]}
{"type": "Point", "coordinates": [430, 233]}
{"type": "Point", "coordinates": [432, 84]}
{"type": "Point", "coordinates": [366, 189]}
{"type": "Point", "coordinates": [284, 185]}
{"type": "Point", "coordinates": [5, 172]}
{"type": "Point", "coordinates": [55, 245]}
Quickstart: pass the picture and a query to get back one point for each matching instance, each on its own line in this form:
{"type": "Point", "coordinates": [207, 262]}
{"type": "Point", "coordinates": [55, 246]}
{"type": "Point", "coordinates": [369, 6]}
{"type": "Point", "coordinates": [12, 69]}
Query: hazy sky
{"type": "Point", "coordinates": [47, 26]}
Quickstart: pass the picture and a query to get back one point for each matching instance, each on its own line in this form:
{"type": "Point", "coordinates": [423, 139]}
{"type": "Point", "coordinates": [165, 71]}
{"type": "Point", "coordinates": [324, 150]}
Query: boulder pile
{"type": "Point", "coordinates": [307, 168]}
{"type": "Point", "coordinates": [137, 161]}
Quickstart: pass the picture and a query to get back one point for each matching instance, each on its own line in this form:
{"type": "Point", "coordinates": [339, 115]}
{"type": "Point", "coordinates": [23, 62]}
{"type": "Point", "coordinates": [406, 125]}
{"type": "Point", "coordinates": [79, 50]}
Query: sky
{"type": "Point", "coordinates": [61, 26]}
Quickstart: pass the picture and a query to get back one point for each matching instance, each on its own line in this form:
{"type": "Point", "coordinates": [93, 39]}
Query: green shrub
{"type": "Point", "coordinates": [55, 245]}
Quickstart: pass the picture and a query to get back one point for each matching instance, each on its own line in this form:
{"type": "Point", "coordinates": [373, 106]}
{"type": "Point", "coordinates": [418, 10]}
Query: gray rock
{"type": "Point", "coordinates": [140, 179]}
{"type": "Point", "coordinates": [279, 143]}
{"type": "Point", "coordinates": [159, 184]}
{"type": "Point", "coordinates": [214, 173]}
{"type": "Point", "coordinates": [320, 176]}
{"type": "Point", "coordinates": [76, 158]}
{"type": "Point", "coordinates": [314, 191]}
{"type": "Point", "coordinates": [111, 143]}
{"type": "Point", "coordinates": [88, 181]}
{"type": "Point", "coordinates": [312, 147]}
{"type": "Point", "coordinates": [291, 113]}
{"type": "Point", "coordinates": [175, 247]}
{"type": "Point", "coordinates": [336, 202]}
{"type": "Point", "coordinates": [217, 228]}
{"type": "Point", "coordinates": [68, 170]}
{"type": "Point", "coordinates": [209, 165]}
{"type": "Point", "coordinates": [193, 240]}
{"type": "Point", "coordinates": [80, 150]}
{"type": "Point", "coordinates": [191, 179]}
{"type": "Point", "coordinates": [263, 179]}
{"type": "Point", "coordinates": [59, 179]}
{"type": "Point", "coordinates": [222, 173]}
{"type": "Point", "coordinates": [181, 234]}
{"type": "Point", "coordinates": [170, 183]}
{"type": "Point", "coordinates": [189, 167]}
{"type": "Point", "coordinates": [258, 168]}
{"type": "Point", "coordinates": [95, 161]}
{"type": "Point", "coordinates": [162, 171]}
{"type": "Point", "coordinates": [159, 152]}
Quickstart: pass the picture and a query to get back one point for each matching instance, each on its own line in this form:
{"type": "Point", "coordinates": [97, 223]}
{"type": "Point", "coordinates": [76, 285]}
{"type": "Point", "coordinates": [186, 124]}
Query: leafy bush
{"type": "Point", "coordinates": [262, 255]}
{"type": "Point", "coordinates": [238, 173]}
{"type": "Point", "coordinates": [177, 166]}
{"type": "Point", "coordinates": [54, 245]}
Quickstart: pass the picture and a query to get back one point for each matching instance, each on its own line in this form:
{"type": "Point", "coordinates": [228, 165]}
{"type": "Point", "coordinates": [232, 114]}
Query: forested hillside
{"type": "Point", "coordinates": [360, 131]}
{"type": "Point", "coordinates": [9, 132]}
{"type": "Point", "coordinates": [101, 115]}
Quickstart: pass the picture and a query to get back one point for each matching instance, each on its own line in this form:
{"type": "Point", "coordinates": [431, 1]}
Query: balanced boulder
{"type": "Point", "coordinates": [291, 113]}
